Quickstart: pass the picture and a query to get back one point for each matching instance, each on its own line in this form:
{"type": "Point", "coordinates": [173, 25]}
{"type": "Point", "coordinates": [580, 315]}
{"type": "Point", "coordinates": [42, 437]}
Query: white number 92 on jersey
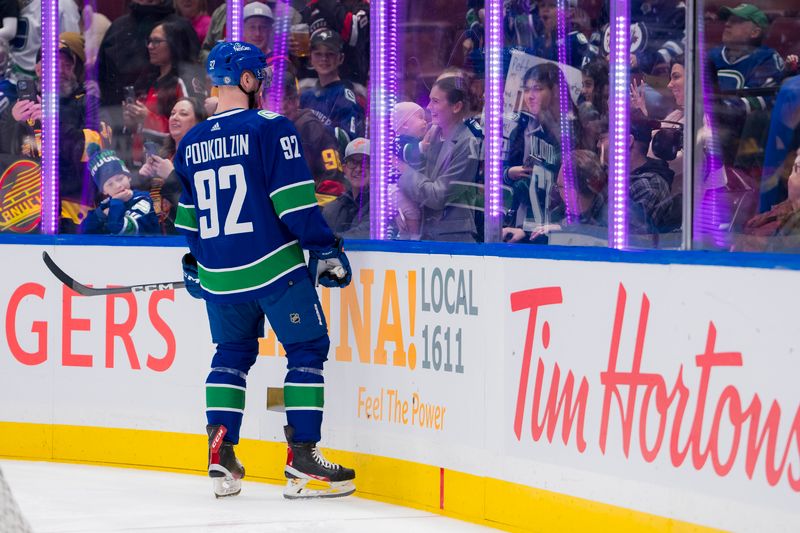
{"type": "Point", "coordinates": [291, 148]}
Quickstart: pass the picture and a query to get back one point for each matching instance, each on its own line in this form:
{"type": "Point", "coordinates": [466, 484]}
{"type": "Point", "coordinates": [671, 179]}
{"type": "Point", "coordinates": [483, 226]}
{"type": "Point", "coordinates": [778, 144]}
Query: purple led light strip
{"type": "Point", "coordinates": [50, 203]}
{"type": "Point", "coordinates": [619, 124]}
{"type": "Point", "coordinates": [570, 196]}
{"type": "Point", "coordinates": [493, 120]}
{"type": "Point", "coordinates": [280, 49]}
{"type": "Point", "coordinates": [234, 20]}
{"type": "Point", "coordinates": [383, 96]}
{"type": "Point", "coordinates": [710, 210]}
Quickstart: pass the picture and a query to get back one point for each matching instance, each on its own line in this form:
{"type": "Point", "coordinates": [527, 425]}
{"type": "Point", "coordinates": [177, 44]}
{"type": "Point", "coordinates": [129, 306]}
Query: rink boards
{"type": "Point", "coordinates": [524, 393]}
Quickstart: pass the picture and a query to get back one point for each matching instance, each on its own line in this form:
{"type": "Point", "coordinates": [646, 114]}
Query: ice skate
{"type": "Point", "coordinates": [224, 468]}
{"type": "Point", "coordinates": [305, 463]}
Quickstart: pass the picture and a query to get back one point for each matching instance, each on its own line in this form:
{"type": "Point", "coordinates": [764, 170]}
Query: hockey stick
{"type": "Point", "coordinates": [83, 290]}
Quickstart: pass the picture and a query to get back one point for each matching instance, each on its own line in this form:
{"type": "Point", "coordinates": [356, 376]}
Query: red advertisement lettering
{"type": "Point", "coordinates": [38, 327]}
{"type": "Point", "coordinates": [679, 414]}
{"type": "Point", "coordinates": [163, 363]}
{"type": "Point", "coordinates": [121, 330]}
{"type": "Point", "coordinates": [68, 325]}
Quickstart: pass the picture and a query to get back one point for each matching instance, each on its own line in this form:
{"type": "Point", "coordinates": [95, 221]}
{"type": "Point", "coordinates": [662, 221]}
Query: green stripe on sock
{"type": "Point", "coordinates": [226, 397]}
{"type": "Point", "coordinates": [311, 396]}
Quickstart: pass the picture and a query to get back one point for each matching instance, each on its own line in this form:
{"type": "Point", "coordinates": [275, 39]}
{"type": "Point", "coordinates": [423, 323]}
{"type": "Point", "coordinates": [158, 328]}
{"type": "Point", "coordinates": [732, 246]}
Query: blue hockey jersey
{"type": "Point", "coordinates": [336, 106]}
{"type": "Point", "coordinates": [763, 67]}
{"type": "Point", "coordinates": [248, 207]}
{"type": "Point", "coordinates": [539, 149]}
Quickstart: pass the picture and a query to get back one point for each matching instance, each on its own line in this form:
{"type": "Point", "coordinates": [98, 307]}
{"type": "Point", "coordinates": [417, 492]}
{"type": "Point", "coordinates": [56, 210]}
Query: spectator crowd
{"type": "Point", "coordinates": [132, 83]}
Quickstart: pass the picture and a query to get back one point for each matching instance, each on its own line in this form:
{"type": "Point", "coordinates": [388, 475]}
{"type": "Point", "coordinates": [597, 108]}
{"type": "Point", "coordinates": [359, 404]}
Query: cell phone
{"type": "Point", "coordinates": [150, 148]}
{"type": "Point", "coordinates": [26, 90]}
{"type": "Point", "coordinates": [130, 94]}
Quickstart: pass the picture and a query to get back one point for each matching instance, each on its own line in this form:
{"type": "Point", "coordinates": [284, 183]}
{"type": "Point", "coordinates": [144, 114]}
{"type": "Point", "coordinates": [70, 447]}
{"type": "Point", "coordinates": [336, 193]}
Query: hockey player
{"type": "Point", "coordinates": [248, 210]}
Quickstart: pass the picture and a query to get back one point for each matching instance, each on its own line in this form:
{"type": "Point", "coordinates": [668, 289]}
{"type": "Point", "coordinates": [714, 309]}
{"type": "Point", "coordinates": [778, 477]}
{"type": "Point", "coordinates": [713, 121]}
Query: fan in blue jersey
{"type": "Point", "coordinates": [332, 99]}
{"type": "Point", "coordinates": [124, 211]}
{"type": "Point", "coordinates": [742, 62]}
{"type": "Point", "coordinates": [536, 151]}
{"type": "Point", "coordinates": [248, 210]}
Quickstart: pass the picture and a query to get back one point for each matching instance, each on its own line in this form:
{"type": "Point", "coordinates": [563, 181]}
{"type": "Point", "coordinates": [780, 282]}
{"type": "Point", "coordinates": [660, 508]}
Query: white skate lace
{"type": "Point", "coordinates": [321, 460]}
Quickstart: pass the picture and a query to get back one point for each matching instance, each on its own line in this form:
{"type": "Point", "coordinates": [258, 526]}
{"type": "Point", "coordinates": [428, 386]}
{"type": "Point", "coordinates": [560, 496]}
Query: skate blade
{"type": "Point", "coordinates": [225, 486]}
{"type": "Point", "coordinates": [296, 490]}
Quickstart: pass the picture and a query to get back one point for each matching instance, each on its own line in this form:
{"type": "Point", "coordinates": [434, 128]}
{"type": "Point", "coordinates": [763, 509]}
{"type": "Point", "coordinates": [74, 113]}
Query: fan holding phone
{"type": "Point", "coordinates": [164, 185]}
{"type": "Point", "coordinates": [29, 103]}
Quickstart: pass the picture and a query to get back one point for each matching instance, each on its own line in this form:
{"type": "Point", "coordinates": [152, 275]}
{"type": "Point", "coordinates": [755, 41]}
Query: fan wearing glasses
{"type": "Point", "coordinates": [173, 74]}
{"type": "Point", "coordinates": [348, 215]}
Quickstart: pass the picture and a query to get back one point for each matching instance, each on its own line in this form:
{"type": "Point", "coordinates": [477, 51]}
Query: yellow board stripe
{"type": "Point", "coordinates": [491, 502]}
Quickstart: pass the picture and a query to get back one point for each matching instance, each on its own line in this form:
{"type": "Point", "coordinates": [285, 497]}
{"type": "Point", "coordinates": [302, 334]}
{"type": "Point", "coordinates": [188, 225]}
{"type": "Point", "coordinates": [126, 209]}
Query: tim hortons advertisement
{"type": "Point", "coordinates": [679, 383]}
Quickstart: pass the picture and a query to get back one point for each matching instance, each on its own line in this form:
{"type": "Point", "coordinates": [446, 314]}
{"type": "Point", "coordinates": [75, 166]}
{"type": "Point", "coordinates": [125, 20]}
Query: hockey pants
{"type": "Point", "coordinates": [295, 314]}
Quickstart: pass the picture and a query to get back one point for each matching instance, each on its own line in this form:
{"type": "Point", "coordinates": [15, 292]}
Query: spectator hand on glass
{"type": "Point", "coordinates": [544, 230]}
{"type": "Point", "coordinates": [27, 110]}
{"type": "Point", "coordinates": [637, 96]}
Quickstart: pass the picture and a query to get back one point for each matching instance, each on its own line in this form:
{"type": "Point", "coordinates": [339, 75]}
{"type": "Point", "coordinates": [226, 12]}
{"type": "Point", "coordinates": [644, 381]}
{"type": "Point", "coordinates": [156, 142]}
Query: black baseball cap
{"type": "Point", "coordinates": [328, 38]}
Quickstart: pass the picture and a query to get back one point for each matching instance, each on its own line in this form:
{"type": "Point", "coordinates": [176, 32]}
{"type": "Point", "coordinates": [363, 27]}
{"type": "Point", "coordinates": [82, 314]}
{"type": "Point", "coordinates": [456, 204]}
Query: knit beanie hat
{"type": "Point", "coordinates": [104, 164]}
{"type": "Point", "coordinates": [403, 112]}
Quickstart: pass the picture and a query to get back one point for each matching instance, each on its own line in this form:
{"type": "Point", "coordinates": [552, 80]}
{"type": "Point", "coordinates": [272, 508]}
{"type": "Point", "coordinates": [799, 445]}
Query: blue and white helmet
{"type": "Point", "coordinates": [227, 61]}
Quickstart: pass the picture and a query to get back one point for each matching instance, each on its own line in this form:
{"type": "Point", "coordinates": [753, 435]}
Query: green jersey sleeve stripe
{"type": "Point", "coordinates": [287, 199]}
{"type": "Point", "coordinates": [186, 218]}
{"type": "Point", "coordinates": [299, 208]}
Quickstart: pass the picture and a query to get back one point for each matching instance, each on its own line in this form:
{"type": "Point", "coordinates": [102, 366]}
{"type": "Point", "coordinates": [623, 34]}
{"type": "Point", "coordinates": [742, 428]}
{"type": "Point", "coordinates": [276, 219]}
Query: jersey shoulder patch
{"type": "Point", "coordinates": [269, 115]}
{"type": "Point", "coordinates": [350, 95]}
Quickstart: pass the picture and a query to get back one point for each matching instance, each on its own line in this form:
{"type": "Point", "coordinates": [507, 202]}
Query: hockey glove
{"type": "Point", "coordinates": [190, 276]}
{"type": "Point", "coordinates": [330, 267]}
